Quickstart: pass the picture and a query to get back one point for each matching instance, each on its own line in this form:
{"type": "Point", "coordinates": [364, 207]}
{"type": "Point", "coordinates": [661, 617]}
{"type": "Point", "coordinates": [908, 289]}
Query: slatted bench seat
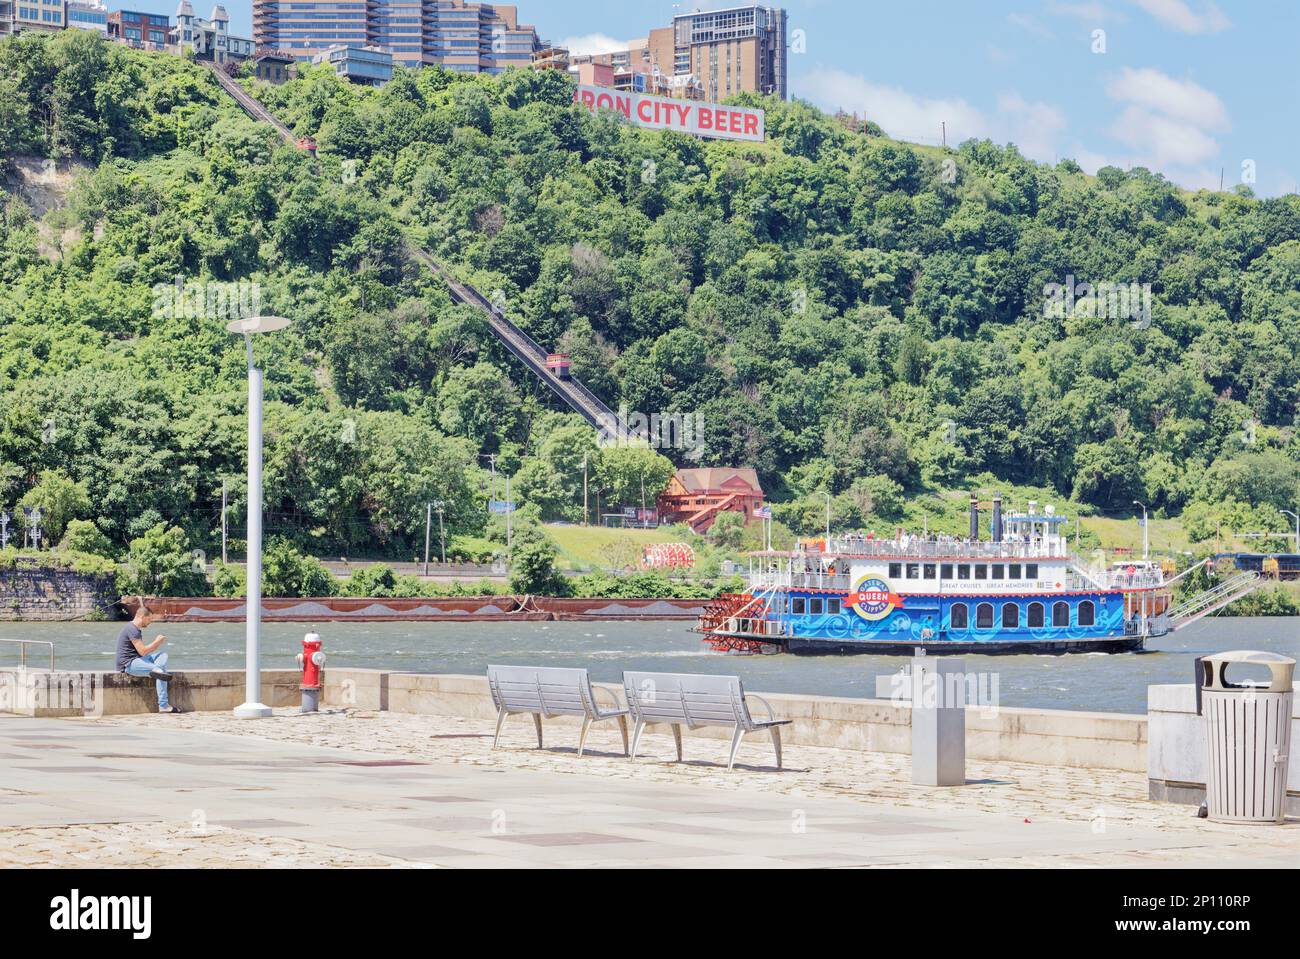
{"type": "Point", "coordinates": [547, 691]}
{"type": "Point", "coordinates": [685, 699]}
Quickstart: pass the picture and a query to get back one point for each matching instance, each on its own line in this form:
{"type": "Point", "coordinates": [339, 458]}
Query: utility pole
{"type": "Point", "coordinates": [828, 518]}
{"type": "Point", "coordinates": [943, 126]}
{"type": "Point", "coordinates": [428, 517]}
{"type": "Point", "coordinates": [4, 529]}
{"type": "Point", "coordinates": [584, 488]}
{"type": "Point", "coordinates": [510, 511]}
{"type": "Point", "coordinates": [223, 522]}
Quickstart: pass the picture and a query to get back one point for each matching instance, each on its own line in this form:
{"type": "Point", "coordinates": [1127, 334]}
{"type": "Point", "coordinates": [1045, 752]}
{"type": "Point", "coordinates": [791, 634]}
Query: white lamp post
{"type": "Point", "coordinates": [1146, 532]}
{"type": "Point", "coordinates": [253, 707]}
{"type": "Point", "coordinates": [1296, 516]}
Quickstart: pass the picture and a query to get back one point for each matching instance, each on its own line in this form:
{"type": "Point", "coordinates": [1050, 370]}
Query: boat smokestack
{"type": "Point", "coordinates": [974, 518]}
{"type": "Point", "coordinates": [997, 517]}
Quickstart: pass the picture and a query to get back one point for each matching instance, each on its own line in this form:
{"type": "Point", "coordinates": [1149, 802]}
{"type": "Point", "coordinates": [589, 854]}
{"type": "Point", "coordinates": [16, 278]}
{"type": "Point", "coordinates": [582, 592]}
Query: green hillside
{"type": "Point", "coordinates": [844, 313]}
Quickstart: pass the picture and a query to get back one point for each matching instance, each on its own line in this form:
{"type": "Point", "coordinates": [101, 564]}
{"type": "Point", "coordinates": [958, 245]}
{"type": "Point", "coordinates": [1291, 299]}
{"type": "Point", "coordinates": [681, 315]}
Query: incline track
{"type": "Point", "coordinates": [519, 343]}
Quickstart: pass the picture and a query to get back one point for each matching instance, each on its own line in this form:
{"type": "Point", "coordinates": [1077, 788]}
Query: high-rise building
{"type": "Point", "coordinates": [471, 37]}
{"type": "Point", "coordinates": [710, 54]}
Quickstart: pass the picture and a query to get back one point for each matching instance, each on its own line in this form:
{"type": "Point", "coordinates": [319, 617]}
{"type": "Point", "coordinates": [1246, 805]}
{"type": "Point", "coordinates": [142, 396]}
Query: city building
{"type": "Point", "coordinates": [697, 496]}
{"type": "Point", "coordinates": [274, 66]}
{"type": "Point", "coordinates": [706, 55]}
{"type": "Point", "coordinates": [372, 66]}
{"type": "Point", "coordinates": [40, 15]}
{"type": "Point", "coordinates": [210, 39]}
{"type": "Point", "coordinates": [470, 37]}
{"type": "Point", "coordinates": [88, 15]}
{"type": "Point", "coordinates": [148, 31]}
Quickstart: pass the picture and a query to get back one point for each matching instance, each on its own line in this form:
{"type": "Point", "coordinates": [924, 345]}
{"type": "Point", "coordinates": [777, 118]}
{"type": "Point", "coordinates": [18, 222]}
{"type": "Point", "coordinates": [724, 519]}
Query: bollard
{"type": "Point", "coordinates": [311, 659]}
{"type": "Point", "coordinates": [938, 721]}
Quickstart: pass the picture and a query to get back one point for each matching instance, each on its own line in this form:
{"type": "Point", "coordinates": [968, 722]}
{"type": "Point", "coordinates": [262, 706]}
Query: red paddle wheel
{"type": "Point", "coordinates": [715, 617]}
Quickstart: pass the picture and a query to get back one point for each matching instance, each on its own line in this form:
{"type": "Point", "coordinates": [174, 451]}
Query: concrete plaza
{"type": "Point", "coordinates": [349, 788]}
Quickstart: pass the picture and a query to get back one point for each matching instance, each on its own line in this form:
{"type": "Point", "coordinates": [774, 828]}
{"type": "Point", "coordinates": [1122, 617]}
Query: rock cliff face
{"type": "Point", "coordinates": [38, 593]}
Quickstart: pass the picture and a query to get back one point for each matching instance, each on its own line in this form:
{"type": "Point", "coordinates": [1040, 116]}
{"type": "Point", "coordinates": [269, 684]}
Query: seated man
{"type": "Point", "coordinates": [135, 657]}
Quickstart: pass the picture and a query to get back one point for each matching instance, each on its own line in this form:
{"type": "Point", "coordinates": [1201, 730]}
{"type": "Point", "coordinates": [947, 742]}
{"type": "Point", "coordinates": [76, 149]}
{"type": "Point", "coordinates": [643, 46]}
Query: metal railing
{"type": "Point", "coordinates": [22, 645]}
{"type": "Point", "coordinates": [959, 548]}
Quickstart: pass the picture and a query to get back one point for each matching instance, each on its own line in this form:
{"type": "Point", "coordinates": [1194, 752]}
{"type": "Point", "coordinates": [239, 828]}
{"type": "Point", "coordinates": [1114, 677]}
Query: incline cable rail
{"type": "Point", "coordinates": [519, 343]}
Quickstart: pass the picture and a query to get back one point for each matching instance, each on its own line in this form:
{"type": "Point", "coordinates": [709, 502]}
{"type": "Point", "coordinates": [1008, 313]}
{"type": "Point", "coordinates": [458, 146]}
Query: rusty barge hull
{"type": "Point", "coordinates": [477, 609]}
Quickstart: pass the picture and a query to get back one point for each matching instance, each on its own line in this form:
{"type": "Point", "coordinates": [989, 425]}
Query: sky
{"type": "Point", "coordinates": [1194, 89]}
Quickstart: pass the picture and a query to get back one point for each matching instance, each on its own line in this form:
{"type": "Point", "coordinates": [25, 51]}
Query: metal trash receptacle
{"type": "Point", "coordinates": [1247, 736]}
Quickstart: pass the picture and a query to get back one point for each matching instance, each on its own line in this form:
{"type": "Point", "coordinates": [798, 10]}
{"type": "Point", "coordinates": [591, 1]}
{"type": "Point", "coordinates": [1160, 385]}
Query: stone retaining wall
{"type": "Point", "coordinates": [37, 593]}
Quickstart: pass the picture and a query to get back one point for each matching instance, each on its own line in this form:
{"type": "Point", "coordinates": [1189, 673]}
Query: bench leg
{"type": "Point", "coordinates": [537, 721]}
{"type": "Point", "coordinates": [636, 737]}
{"type": "Point", "coordinates": [735, 747]}
{"type": "Point", "coordinates": [622, 727]}
{"type": "Point", "coordinates": [582, 736]}
{"type": "Point", "coordinates": [501, 721]}
{"type": "Point", "coordinates": [776, 741]}
{"type": "Point", "coordinates": [677, 737]}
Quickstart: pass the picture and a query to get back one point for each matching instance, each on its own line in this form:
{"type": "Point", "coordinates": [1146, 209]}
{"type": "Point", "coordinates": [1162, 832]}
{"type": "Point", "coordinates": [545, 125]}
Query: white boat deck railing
{"type": "Point", "coordinates": [920, 548]}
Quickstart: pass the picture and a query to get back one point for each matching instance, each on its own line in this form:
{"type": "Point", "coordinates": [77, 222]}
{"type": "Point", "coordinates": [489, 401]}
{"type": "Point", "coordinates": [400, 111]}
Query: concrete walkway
{"type": "Point", "coordinates": [138, 791]}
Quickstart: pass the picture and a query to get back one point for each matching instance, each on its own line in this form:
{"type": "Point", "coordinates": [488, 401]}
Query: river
{"type": "Point", "coordinates": [1099, 681]}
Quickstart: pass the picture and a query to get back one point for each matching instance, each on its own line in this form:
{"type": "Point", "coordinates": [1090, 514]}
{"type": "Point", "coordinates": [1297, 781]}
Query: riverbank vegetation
{"type": "Point", "coordinates": [847, 314]}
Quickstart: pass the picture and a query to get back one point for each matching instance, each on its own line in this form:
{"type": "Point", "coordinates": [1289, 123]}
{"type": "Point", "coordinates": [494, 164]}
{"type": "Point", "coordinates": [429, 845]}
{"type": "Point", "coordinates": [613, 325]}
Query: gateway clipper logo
{"type": "Point", "coordinates": [75, 912]}
{"type": "Point", "coordinates": [872, 599]}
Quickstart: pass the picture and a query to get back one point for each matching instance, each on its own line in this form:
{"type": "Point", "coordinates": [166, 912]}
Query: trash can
{"type": "Point", "coordinates": [1247, 736]}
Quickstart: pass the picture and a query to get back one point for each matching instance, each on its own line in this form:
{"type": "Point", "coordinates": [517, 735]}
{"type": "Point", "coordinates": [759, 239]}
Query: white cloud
{"type": "Point", "coordinates": [1091, 12]}
{"type": "Point", "coordinates": [1032, 126]}
{"type": "Point", "coordinates": [1166, 141]}
{"type": "Point", "coordinates": [1179, 99]}
{"type": "Point", "coordinates": [593, 43]}
{"type": "Point", "coordinates": [1029, 24]}
{"type": "Point", "coordinates": [1180, 16]}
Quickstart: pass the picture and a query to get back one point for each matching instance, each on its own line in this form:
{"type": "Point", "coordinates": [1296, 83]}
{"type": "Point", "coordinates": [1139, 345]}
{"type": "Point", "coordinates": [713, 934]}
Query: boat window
{"type": "Point", "coordinates": [1013, 571]}
{"type": "Point", "coordinates": [963, 571]}
{"type": "Point", "coordinates": [1010, 616]}
{"type": "Point", "coordinates": [913, 570]}
{"type": "Point", "coordinates": [1035, 615]}
{"type": "Point", "coordinates": [1060, 614]}
{"type": "Point", "coordinates": [895, 570]}
{"type": "Point", "coordinates": [984, 616]}
{"type": "Point", "coordinates": [1087, 613]}
{"type": "Point", "coordinates": [929, 570]}
{"type": "Point", "coordinates": [1031, 571]}
{"type": "Point", "coordinates": [998, 570]}
{"type": "Point", "coordinates": [815, 605]}
{"type": "Point", "coordinates": [797, 605]}
{"type": "Point", "coordinates": [981, 571]}
{"type": "Point", "coordinates": [957, 616]}
{"type": "Point", "coordinates": [833, 604]}
{"type": "Point", "coordinates": [945, 570]}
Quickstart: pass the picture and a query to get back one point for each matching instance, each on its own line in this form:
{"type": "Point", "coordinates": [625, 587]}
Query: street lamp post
{"type": "Point", "coordinates": [1146, 532]}
{"type": "Point", "coordinates": [442, 536]}
{"type": "Point", "coordinates": [1296, 516]}
{"type": "Point", "coordinates": [252, 707]}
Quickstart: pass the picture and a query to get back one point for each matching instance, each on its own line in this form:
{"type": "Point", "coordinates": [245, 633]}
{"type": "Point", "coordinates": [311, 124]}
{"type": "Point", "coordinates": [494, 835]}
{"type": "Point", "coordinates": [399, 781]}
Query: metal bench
{"type": "Point", "coordinates": [683, 699]}
{"type": "Point", "coordinates": [547, 691]}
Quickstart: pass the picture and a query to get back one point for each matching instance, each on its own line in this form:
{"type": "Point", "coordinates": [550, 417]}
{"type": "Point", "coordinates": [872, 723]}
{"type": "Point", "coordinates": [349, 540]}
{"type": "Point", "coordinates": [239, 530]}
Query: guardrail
{"type": "Point", "coordinates": [22, 645]}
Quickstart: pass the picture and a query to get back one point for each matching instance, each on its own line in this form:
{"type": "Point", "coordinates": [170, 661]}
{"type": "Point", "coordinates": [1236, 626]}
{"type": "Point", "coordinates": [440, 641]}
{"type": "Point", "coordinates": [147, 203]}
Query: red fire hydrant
{"type": "Point", "coordinates": [311, 659]}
